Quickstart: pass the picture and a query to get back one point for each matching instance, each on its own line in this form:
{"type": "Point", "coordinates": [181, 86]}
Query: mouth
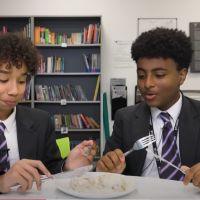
{"type": "Point", "coordinates": [150, 96]}
{"type": "Point", "coordinates": [11, 103]}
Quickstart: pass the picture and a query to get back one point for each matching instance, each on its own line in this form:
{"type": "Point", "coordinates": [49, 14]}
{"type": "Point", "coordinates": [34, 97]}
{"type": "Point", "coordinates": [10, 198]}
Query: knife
{"type": "Point", "coordinates": [64, 175]}
{"type": "Point", "coordinates": [157, 156]}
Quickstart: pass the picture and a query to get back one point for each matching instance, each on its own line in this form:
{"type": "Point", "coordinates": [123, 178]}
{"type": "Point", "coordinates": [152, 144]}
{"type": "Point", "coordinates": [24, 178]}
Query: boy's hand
{"type": "Point", "coordinates": [23, 172]}
{"type": "Point", "coordinates": [113, 161]}
{"type": "Point", "coordinates": [193, 174]}
{"type": "Point", "coordinates": [76, 159]}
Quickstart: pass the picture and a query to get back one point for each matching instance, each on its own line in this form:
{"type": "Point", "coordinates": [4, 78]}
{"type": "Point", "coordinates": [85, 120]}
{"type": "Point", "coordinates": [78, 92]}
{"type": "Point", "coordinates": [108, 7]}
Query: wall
{"type": "Point", "coordinates": [119, 22]}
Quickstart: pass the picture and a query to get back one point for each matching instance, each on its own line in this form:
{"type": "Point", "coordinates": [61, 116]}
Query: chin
{"type": "Point", "coordinates": [153, 104]}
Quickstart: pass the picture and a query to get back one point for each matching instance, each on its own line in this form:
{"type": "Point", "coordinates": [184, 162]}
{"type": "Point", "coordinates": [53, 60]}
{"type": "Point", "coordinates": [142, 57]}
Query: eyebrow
{"type": "Point", "coordinates": [156, 69]}
{"type": "Point", "coordinates": [8, 72]}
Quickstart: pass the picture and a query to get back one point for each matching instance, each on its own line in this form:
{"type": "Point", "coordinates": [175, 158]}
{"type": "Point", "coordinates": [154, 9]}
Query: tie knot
{"type": "Point", "coordinates": [165, 116]}
{"type": "Point", "coordinates": [2, 127]}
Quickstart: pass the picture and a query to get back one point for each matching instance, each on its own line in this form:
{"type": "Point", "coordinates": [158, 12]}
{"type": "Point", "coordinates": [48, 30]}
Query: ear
{"type": "Point", "coordinates": [182, 74]}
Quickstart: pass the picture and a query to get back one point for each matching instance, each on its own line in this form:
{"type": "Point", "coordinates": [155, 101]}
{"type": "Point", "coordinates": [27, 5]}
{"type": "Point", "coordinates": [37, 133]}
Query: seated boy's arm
{"type": "Point", "coordinates": [115, 141]}
{"type": "Point", "coordinates": [23, 172]}
{"type": "Point", "coordinates": [53, 160]}
{"type": "Point", "coordinates": [113, 159]}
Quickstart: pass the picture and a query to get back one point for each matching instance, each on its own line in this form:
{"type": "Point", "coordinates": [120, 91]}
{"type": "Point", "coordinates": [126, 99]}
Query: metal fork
{"type": "Point", "coordinates": [142, 143]}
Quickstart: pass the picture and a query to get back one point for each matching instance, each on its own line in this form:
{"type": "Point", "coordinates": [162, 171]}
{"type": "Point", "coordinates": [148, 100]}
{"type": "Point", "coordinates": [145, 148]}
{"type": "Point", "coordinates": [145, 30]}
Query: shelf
{"type": "Point", "coordinates": [82, 130]}
{"type": "Point", "coordinates": [70, 102]}
{"type": "Point", "coordinates": [69, 45]}
{"type": "Point", "coordinates": [24, 102]}
{"type": "Point", "coordinates": [69, 74]}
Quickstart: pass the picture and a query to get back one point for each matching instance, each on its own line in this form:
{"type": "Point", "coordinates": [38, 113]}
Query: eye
{"type": "Point", "coordinates": [160, 75]}
{"type": "Point", "coordinates": [141, 76]}
{"type": "Point", "coordinates": [3, 81]}
{"type": "Point", "coordinates": [22, 82]}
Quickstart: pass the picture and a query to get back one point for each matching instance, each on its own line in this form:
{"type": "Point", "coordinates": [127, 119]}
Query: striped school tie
{"type": "Point", "coordinates": [4, 159]}
{"type": "Point", "coordinates": [169, 151]}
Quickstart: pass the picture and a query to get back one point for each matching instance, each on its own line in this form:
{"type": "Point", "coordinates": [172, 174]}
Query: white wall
{"type": "Point", "coordinates": [119, 22]}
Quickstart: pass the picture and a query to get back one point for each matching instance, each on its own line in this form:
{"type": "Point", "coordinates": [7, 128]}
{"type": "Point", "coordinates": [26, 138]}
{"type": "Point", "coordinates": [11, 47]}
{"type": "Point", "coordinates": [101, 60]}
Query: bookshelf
{"type": "Point", "coordinates": [74, 70]}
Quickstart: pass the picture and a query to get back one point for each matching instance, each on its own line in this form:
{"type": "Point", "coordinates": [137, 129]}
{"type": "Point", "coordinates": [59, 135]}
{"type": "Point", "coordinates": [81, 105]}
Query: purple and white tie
{"type": "Point", "coordinates": [4, 159]}
{"type": "Point", "coordinates": [169, 151]}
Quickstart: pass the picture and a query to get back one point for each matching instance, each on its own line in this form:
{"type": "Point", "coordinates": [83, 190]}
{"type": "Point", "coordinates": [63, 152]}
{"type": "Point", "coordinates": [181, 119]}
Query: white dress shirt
{"type": "Point", "coordinates": [11, 137]}
{"type": "Point", "coordinates": [150, 167]}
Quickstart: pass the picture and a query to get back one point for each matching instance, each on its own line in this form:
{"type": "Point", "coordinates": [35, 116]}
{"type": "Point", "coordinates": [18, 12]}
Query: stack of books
{"type": "Point", "coordinates": [25, 31]}
{"type": "Point", "coordinates": [72, 121]}
{"type": "Point", "coordinates": [56, 93]}
{"type": "Point", "coordinates": [92, 62]}
{"type": "Point", "coordinates": [89, 35]}
{"type": "Point", "coordinates": [52, 64]}
{"type": "Point", "coordinates": [26, 95]}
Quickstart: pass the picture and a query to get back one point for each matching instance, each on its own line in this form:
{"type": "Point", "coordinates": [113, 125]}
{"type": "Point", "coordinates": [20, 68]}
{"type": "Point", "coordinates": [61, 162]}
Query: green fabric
{"type": "Point", "coordinates": [64, 146]}
{"type": "Point", "coordinates": [105, 117]}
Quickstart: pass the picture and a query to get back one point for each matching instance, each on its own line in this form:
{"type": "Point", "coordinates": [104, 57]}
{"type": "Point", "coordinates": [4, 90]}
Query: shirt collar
{"type": "Point", "coordinates": [10, 120]}
{"type": "Point", "coordinates": [174, 110]}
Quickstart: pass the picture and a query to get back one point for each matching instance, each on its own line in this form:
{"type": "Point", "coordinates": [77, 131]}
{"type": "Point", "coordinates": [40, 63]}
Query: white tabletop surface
{"type": "Point", "coordinates": [147, 188]}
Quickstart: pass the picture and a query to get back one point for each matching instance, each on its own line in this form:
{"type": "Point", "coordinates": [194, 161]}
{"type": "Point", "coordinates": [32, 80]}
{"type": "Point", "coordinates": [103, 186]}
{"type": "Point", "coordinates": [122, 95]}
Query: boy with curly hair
{"type": "Point", "coordinates": [163, 57]}
{"type": "Point", "coordinates": [27, 133]}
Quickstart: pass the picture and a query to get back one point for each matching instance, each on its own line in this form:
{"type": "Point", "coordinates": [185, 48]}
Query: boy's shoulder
{"type": "Point", "coordinates": [130, 112]}
{"type": "Point", "coordinates": [195, 103]}
{"type": "Point", "coordinates": [32, 113]}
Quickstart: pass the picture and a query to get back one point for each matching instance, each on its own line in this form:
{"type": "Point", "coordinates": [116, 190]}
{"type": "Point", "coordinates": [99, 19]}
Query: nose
{"type": "Point", "coordinates": [13, 89]}
{"type": "Point", "coordinates": [149, 82]}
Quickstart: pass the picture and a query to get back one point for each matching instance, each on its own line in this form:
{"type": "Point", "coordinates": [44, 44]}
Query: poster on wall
{"type": "Point", "coordinates": [195, 40]}
{"type": "Point", "coordinates": [146, 24]}
{"type": "Point", "coordinates": [122, 54]}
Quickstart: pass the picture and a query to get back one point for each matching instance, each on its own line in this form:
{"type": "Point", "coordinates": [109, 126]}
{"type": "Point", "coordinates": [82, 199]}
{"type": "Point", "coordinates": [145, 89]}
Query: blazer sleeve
{"type": "Point", "coordinates": [53, 160]}
{"type": "Point", "coordinates": [115, 141]}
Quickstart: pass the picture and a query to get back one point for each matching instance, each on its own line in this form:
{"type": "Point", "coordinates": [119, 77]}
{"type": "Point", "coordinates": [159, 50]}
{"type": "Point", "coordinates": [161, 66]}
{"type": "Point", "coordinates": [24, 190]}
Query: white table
{"type": "Point", "coordinates": [147, 188]}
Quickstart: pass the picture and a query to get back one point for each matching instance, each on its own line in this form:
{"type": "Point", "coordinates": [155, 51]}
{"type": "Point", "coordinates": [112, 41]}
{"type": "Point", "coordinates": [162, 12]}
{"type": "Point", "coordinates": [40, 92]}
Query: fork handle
{"type": "Point", "coordinates": [42, 179]}
{"type": "Point", "coordinates": [128, 152]}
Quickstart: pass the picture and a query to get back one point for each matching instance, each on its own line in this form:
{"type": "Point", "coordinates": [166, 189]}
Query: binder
{"type": "Point", "coordinates": [119, 99]}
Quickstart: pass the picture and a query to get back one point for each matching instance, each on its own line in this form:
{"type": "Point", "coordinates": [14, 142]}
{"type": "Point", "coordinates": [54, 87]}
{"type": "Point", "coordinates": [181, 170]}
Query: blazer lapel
{"type": "Point", "coordinates": [27, 138]}
{"type": "Point", "coordinates": [188, 133]}
{"type": "Point", "coordinates": [140, 128]}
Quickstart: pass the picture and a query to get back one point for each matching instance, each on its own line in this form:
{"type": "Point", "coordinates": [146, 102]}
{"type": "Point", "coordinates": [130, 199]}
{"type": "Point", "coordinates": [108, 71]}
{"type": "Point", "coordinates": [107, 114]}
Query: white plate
{"type": "Point", "coordinates": [62, 185]}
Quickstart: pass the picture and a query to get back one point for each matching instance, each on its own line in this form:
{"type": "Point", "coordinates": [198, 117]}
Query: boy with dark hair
{"type": "Point", "coordinates": [27, 133]}
{"type": "Point", "coordinates": [162, 57]}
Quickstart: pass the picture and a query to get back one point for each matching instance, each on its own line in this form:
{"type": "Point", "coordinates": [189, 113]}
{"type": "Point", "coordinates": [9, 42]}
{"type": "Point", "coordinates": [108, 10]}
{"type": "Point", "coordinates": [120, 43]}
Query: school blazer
{"type": "Point", "coordinates": [132, 123]}
{"type": "Point", "coordinates": [36, 138]}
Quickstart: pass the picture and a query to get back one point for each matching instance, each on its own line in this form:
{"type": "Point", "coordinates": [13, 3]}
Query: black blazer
{"type": "Point", "coordinates": [36, 138]}
{"type": "Point", "coordinates": [132, 123]}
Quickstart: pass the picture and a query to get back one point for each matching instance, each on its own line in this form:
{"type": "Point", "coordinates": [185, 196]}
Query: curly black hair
{"type": "Point", "coordinates": [16, 49]}
{"type": "Point", "coordinates": [164, 43]}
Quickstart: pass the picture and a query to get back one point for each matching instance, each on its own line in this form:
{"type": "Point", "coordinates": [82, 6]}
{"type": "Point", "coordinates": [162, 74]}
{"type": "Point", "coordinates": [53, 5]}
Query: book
{"type": "Point", "coordinates": [91, 125]}
{"type": "Point", "coordinates": [97, 88]}
{"type": "Point", "coordinates": [42, 36]}
{"type": "Point", "coordinates": [84, 121]}
{"type": "Point", "coordinates": [46, 36]}
{"type": "Point", "coordinates": [86, 63]}
{"type": "Point", "coordinates": [37, 35]}
{"type": "Point", "coordinates": [92, 120]}
{"type": "Point", "coordinates": [99, 34]}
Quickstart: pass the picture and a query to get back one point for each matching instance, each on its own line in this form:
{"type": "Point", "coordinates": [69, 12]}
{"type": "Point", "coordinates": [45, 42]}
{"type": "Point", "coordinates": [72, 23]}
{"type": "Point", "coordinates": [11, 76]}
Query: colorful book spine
{"type": "Point", "coordinates": [97, 88]}
{"type": "Point", "coordinates": [46, 36]}
{"type": "Point", "coordinates": [92, 120]}
{"type": "Point", "coordinates": [84, 121]}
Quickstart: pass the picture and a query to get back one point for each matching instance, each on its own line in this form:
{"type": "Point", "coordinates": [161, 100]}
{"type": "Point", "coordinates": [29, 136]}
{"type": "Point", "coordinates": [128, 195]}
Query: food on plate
{"type": "Point", "coordinates": [108, 183]}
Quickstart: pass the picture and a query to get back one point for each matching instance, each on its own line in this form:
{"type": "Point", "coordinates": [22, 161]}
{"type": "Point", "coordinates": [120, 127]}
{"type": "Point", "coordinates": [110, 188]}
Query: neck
{"type": "Point", "coordinates": [168, 105]}
{"type": "Point", "coordinates": [4, 114]}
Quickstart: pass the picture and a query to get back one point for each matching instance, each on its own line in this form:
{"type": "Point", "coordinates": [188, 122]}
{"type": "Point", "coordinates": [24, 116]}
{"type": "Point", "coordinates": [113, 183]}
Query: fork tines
{"type": "Point", "coordinates": [148, 139]}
